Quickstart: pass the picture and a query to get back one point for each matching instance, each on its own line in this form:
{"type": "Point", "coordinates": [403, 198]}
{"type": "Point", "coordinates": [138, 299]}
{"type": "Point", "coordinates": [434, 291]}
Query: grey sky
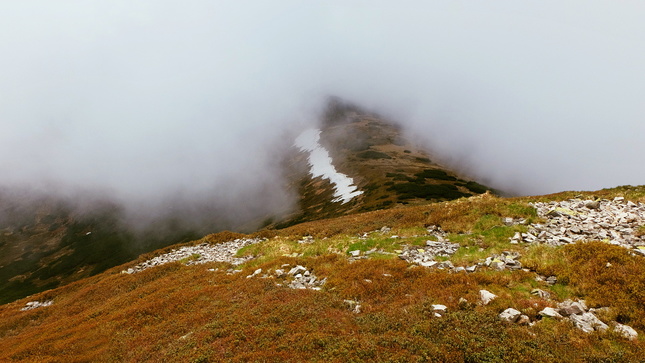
{"type": "Point", "coordinates": [151, 98]}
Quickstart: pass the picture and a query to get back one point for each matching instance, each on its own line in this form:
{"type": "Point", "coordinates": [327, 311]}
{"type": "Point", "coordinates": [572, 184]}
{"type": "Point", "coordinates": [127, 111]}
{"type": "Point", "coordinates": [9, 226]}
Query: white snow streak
{"type": "Point", "coordinates": [321, 165]}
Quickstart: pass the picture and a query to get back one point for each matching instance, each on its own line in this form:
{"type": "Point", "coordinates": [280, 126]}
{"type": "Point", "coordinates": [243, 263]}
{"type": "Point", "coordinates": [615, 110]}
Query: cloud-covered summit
{"type": "Point", "coordinates": [150, 99]}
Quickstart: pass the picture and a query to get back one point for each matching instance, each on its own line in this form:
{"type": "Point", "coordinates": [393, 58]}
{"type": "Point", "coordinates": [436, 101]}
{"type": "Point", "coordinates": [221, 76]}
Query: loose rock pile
{"type": "Point", "coordinates": [507, 260]}
{"type": "Point", "coordinates": [577, 312]}
{"type": "Point", "coordinates": [298, 277]}
{"type": "Point", "coordinates": [302, 278]}
{"type": "Point", "coordinates": [222, 252]}
{"type": "Point", "coordinates": [36, 304]}
{"type": "Point", "coordinates": [306, 240]}
{"type": "Point", "coordinates": [574, 220]}
{"type": "Point", "coordinates": [425, 256]}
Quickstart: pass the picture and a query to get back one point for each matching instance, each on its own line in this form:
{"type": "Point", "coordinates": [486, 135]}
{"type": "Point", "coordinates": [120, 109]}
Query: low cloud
{"type": "Point", "coordinates": [155, 102]}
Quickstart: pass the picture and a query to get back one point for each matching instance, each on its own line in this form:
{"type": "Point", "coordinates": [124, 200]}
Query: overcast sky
{"type": "Point", "coordinates": [151, 98]}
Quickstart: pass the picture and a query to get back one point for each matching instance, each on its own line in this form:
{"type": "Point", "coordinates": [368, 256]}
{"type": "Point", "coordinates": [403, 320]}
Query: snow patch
{"type": "Point", "coordinates": [321, 165]}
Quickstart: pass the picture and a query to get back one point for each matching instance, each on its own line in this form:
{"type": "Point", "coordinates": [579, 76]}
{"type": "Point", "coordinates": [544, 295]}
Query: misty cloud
{"type": "Point", "coordinates": [156, 100]}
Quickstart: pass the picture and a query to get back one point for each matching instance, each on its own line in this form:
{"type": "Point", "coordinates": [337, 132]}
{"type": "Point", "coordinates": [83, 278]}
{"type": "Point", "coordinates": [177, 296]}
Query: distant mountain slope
{"type": "Point", "coordinates": [387, 168]}
{"type": "Point", "coordinates": [45, 242]}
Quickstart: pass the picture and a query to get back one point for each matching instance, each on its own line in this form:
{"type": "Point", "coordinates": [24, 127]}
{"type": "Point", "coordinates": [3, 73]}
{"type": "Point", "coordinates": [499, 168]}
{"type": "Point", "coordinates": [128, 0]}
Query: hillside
{"type": "Point", "coordinates": [386, 168]}
{"type": "Point", "coordinates": [402, 284]}
{"type": "Point", "coordinates": [48, 241]}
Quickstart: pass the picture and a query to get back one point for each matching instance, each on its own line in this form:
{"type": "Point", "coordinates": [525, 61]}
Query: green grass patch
{"type": "Point", "coordinates": [520, 210]}
{"type": "Point", "coordinates": [193, 257]}
{"type": "Point", "coordinates": [469, 255]}
{"type": "Point", "coordinates": [250, 250]}
{"type": "Point", "coordinates": [488, 221]}
{"type": "Point", "coordinates": [545, 260]}
{"type": "Point", "coordinates": [561, 291]}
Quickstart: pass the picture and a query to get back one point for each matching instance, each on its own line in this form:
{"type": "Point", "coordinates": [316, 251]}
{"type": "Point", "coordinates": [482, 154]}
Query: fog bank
{"type": "Point", "coordinates": [156, 102]}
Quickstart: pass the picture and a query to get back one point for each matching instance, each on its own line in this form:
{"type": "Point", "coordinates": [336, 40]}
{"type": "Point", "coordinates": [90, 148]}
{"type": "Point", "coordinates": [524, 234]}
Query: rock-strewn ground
{"type": "Point", "coordinates": [205, 252]}
{"type": "Point", "coordinates": [615, 221]}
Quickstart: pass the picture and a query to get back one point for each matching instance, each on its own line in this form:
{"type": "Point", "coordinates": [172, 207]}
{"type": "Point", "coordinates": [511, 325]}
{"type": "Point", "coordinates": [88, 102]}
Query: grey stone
{"type": "Point", "coordinates": [255, 273]}
{"type": "Point", "coordinates": [297, 270]}
{"type": "Point", "coordinates": [569, 307]}
{"type": "Point", "coordinates": [640, 250]}
{"type": "Point", "coordinates": [626, 331]}
{"type": "Point", "coordinates": [549, 312]}
{"type": "Point", "coordinates": [593, 205]}
{"type": "Point", "coordinates": [511, 315]}
{"type": "Point", "coordinates": [524, 320]}
{"type": "Point", "coordinates": [498, 265]}
{"type": "Point", "coordinates": [439, 308]}
{"type": "Point", "coordinates": [588, 322]}
{"type": "Point", "coordinates": [428, 263]}
{"type": "Point", "coordinates": [541, 293]}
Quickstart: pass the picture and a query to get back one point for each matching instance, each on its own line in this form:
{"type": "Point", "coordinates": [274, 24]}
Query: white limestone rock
{"type": "Point", "coordinates": [550, 312]}
{"type": "Point", "coordinates": [486, 297]}
{"type": "Point", "coordinates": [626, 331]}
{"type": "Point", "coordinates": [588, 322]}
{"type": "Point", "coordinates": [511, 315]}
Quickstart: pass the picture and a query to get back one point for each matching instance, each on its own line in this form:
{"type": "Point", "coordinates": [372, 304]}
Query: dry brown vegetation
{"type": "Point", "coordinates": [188, 313]}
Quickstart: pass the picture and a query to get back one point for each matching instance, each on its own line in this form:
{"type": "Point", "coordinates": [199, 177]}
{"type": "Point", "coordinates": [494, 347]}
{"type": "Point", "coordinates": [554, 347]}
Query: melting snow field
{"type": "Point", "coordinates": [321, 165]}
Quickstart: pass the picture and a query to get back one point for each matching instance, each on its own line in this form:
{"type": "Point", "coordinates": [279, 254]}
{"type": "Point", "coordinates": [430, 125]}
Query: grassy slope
{"type": "Point", "coordinates": [187, 313]}
{"type": "Point", "coordinates": [389, 169]}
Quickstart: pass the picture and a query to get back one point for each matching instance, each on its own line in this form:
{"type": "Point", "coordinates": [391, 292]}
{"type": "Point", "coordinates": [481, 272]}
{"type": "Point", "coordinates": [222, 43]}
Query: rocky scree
{"type": "Point", "coordinates": [36, 304]}
{"type": "Point", "coordinates": [203, 253]}
{"type": "Point", "coordinates": [298, 277]}
{"type": "Point", "coordinates": [577, 313]}
{"type": "Point", "coordinates": [614, 221]}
